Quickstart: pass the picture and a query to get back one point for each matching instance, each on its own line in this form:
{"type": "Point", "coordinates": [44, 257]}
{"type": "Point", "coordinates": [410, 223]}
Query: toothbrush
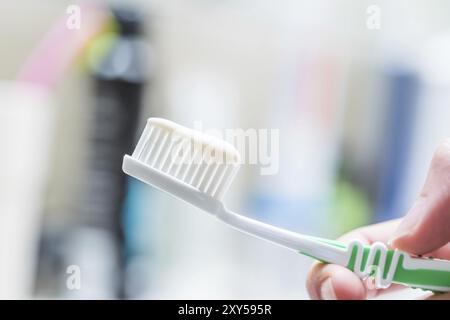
{"type": "Point", "coordinates": [198, 169]}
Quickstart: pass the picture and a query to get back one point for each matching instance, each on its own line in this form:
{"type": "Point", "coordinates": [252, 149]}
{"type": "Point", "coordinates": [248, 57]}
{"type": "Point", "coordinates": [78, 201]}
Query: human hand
{"type": "Point", "coordinates": [425, 230]}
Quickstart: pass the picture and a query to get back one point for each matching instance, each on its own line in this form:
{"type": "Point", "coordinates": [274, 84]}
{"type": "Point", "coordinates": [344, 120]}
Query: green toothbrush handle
{"type": "Point", "coordinates": [426, 278]}
{"type": "Point", "coordinates": [387, 266]}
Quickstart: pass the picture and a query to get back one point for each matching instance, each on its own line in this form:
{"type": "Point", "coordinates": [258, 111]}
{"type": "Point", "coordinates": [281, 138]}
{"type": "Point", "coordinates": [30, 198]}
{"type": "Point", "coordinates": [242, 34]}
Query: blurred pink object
{"type": "Point", "coordinates": [61, 45]}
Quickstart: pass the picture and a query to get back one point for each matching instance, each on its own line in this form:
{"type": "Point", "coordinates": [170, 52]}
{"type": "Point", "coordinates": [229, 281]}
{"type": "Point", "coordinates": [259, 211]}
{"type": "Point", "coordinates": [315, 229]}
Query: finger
{"type": "Point", "coordinates": [382, 232]}
{"type": "Point", "coordinates": [426, 227]}
{"type": "Point", "coordinates": [333, 282]}
{"type": "Point", "coordinates": [373, 233]}
{"type": "Point", "coordinates": [445, 296]}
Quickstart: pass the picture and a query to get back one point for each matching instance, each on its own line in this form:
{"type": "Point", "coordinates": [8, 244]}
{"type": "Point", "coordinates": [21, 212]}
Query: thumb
{"type": "Point", "coordinates": [426, 227]}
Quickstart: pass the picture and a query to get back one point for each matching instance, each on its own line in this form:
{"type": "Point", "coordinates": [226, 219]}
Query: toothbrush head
{"type": "Point", "coordinates": [189, 164]}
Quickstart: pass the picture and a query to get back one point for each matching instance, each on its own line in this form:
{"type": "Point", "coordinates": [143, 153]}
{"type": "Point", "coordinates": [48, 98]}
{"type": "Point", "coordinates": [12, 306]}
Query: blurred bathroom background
{"type": "Point", "coordinates": [359, 92]}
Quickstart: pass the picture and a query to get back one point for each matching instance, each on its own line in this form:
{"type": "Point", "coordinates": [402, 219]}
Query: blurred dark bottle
{"type": "Point", "coordinates": [118, 80]}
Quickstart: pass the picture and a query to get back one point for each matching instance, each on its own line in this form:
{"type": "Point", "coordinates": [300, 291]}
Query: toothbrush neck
{"type": "Point", "coordinates": [295, 241]}
{"type": "Point", "coordinates": [262, 230]}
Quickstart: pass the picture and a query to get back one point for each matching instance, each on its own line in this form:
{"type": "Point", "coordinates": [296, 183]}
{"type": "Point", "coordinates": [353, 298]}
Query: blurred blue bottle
{"type": "Point", "coordinates": [403, 87]}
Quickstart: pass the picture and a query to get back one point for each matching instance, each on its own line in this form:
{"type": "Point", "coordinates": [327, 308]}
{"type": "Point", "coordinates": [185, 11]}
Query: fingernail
{"type": "Point", "coordinates": [327, 290]}
{"type": "Point", "coordinates": [409, 223]}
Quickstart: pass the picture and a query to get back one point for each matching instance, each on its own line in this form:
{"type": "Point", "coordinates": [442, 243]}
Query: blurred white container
{"type": "Point", "coordinates": [26, 118]}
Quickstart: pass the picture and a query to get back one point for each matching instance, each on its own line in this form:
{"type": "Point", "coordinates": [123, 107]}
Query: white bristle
{"type": "Point", "coordinates": [204, 162]}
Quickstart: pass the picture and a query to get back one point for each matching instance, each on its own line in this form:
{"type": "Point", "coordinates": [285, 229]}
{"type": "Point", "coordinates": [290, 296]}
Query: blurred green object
{"type": "Point", "coordinates": [97, 48]}
{"type": "Point", "coordinates": [350, 209]}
